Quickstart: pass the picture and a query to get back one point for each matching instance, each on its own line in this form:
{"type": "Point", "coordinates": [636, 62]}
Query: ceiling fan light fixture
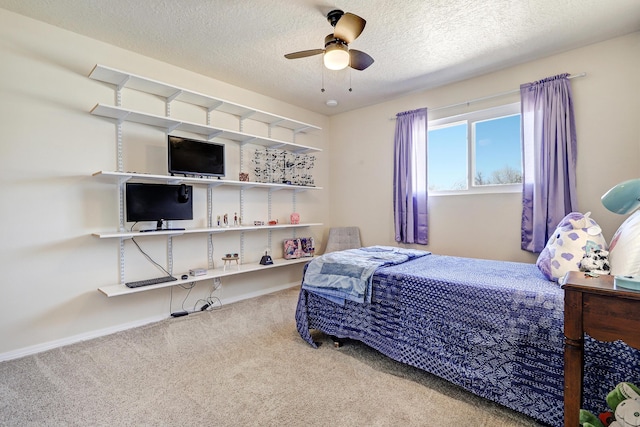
{"type": "Point", "coordinates": [336, 57]}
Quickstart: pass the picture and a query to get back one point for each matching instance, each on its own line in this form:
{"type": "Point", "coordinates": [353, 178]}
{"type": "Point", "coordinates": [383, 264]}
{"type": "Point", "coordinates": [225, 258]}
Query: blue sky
{"type": "Point", "coordinates": [497, 146]}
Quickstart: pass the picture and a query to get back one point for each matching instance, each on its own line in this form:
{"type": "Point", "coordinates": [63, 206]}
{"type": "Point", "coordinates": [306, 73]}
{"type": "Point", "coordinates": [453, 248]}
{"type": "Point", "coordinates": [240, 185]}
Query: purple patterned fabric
{"type": "Point", "coordinates": [573, 238]}
{"type": "Point", "coordinates": [494, 328]}
{"type": "Point", "coordinates": [410, 177]}
{"type": "Point", "coordinates": [549, 158]}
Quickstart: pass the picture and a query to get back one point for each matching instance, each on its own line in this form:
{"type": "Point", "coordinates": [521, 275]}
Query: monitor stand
{"type": "Point", "coordinates": [159, 228]}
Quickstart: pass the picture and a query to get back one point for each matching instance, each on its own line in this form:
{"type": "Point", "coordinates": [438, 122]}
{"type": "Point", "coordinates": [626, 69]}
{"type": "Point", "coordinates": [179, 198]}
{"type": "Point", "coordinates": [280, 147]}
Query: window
{"type": "Point", "coordinates": [475, 152]}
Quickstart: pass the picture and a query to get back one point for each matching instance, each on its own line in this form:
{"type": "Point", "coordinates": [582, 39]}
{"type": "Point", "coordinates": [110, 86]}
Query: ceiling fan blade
{"type": "Point", "coordinates": [359, 60]}
{"type": "Point", "coordinates": [349, 27]}
{"type": "Point", "coordinates": [304, 53]}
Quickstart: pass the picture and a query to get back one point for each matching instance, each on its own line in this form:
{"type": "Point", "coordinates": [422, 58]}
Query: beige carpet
{"type": "Point", "coordinates": [242, 365]}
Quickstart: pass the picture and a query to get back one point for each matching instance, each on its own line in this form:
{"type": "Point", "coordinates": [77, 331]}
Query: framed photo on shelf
{"type": "Point", "coordinates": [299, 248]}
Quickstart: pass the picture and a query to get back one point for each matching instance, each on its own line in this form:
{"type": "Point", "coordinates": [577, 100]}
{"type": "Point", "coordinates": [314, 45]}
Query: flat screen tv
{"type": "Point", "coordinates": [159, 203]}
{"type": "Point", "coordinates": [193, 157]}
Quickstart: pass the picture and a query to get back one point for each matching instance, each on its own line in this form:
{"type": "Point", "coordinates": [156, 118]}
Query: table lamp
{"type": "Point", "coordinates": [622, 199]}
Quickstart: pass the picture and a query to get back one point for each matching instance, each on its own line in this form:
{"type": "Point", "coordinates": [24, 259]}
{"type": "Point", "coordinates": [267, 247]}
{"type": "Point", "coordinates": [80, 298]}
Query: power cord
{"type": "Point", "coordinates": [209, 303]}
{"type": "Point", "coordinates": [147, 256]}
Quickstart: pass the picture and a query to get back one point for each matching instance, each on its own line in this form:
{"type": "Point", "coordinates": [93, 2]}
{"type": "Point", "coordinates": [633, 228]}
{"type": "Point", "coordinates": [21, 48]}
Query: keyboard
{"type": "Point", "coordinates": [153, 281]}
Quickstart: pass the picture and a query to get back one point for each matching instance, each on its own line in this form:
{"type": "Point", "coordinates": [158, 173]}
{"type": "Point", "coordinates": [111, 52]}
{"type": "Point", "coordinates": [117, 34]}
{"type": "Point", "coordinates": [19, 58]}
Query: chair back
{"type": "Point", "coordinates": [341, 238]}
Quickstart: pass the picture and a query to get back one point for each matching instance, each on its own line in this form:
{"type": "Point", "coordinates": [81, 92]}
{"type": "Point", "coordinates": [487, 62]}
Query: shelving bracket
{"type": "Point", "coordinates": [248, 141]}
{"type": "Point", "coordinates": [170, 254]}
{"type": "Point", "coordinates": [172, 128]}
{"type": "Point", "coordinates": [274, 123]}
{"type": "Point", "coordinates": [301, 129]}
{"type": "Point", "coordinates": [122, 82]}
{"type": "Point", "coordinates": [174, 95]}
{"type": "Point", "coordinates": [214, 106]}
{"type": "Point", "coordinates": [246, 115]}
{"type": "Point", "coordinates": [121, 260]}
{"type": "Point", "coordinates": [123, 118]}
{"type": "Point", "coordinates": [213, 134]}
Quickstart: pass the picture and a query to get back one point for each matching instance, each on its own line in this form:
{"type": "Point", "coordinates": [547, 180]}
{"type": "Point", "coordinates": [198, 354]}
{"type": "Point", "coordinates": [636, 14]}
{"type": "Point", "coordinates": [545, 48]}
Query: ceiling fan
{"type": "Point", "coordinates": [337, 55]}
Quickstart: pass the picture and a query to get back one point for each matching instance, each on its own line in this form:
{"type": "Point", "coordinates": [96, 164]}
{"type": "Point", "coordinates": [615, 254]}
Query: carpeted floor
{"type": "Point", "coordinates": [241, 365]}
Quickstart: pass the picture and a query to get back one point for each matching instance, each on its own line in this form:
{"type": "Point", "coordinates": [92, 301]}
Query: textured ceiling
{"type": "Point", "coordinates": [416, 44]}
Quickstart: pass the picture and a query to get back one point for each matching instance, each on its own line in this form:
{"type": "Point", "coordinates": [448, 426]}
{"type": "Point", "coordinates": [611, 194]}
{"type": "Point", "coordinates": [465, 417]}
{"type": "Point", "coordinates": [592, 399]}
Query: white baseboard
{"type": "Point", "coordinates": [38, 348]}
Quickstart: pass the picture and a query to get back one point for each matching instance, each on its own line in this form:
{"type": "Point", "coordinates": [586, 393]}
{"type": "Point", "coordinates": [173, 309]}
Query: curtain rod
{"type": "Point", "coordinates": [484, 98]}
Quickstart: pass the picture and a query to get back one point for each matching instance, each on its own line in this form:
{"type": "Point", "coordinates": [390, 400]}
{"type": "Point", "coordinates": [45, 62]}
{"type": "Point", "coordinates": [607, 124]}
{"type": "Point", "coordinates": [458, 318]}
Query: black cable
{"type": "Point", "coordinates": [147, 255]}
{"type": "Point", "coordinates": [211, 302]}
{"type": "Point", "coordinates": [192, 285]}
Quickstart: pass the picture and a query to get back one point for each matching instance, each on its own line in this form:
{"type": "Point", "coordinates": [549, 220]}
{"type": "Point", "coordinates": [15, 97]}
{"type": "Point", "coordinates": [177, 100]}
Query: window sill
{"type": "Point", "coordinates": [494, 189]}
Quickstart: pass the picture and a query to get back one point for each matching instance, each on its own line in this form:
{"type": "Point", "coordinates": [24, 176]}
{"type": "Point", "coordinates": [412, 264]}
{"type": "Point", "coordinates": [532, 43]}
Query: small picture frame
{"type": "Point", "coordinates": [301, 247]}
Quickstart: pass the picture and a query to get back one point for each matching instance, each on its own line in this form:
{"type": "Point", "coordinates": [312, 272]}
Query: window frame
{"type": "Point", "coordinates": [470, 118]}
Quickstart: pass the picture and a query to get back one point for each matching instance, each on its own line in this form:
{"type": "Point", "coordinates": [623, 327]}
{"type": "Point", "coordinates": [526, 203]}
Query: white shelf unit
{"type": "Point", "coordinates": [170, 93]}
{"type": "Point", "coordinates": [122, 79]}
{"type": "Point", "coordinates": [116, 290]}
{"type": "Point", "coordinates": [210, 230]}
{"type": "Point", "coordinates": [116, 177]}
{"type": "Point", "coordinates": [170, 124]}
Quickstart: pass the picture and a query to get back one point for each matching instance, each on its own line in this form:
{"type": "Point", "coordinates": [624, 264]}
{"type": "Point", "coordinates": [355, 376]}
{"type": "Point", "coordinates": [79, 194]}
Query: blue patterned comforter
{"type": "Point", "coordinates": [494, 328]}
{"type": "Point", "coordinates": [347, 275]}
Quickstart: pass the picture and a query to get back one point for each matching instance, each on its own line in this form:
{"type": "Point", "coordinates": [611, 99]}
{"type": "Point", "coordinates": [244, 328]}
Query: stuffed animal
{"type": "Point", "coordinates": [595, 261]}
{"type": "Point", "coordinates": [568, 245]}
{"type": "Point", "coordinates": [624, 402]}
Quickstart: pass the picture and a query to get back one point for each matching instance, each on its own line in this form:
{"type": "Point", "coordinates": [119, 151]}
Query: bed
{"type": "Point", "coordinates": [494, 328]}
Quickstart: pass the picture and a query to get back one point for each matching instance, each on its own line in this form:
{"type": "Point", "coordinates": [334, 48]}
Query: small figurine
{"type": "Point", "coordinates": [218, 220]}
{"type": "Point", "coordinates": [235, 218]}
{"type": "Point", "coordinates": [226, 220]}
{"type": "Point", "coordinates": [266, 259]}
{"type": "Point", "coordinates": [295, 218]}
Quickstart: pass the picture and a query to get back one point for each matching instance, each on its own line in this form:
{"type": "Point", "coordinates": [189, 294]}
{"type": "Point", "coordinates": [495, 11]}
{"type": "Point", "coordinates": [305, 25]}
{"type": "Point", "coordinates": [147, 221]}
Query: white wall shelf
{"type": "Point", "coordinates": [115, 177]}
{"type": "Point", "coordinates": [122, 79]}
{"type": "Point", "coordinates": [170, 124]}
{"type": "Point", "coordinates": [212, 230]}
{"type": "Point", "coordinates": [115, 290]}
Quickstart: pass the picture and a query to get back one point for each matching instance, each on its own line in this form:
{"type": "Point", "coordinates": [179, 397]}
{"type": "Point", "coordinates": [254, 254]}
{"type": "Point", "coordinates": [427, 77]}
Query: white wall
{"type": "Point", "coordinates": [607, 108]}
{"type": "Point", "coordinates": [50, 147]}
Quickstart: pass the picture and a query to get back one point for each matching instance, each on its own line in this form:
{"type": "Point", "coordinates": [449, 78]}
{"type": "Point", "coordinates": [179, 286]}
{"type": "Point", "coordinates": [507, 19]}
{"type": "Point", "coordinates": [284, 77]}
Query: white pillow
{"type": "Point", "coordinates": [624, 250]}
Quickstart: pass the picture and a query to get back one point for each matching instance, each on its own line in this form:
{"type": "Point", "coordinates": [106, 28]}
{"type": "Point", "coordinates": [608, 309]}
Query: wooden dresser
{"type": "Point", "coordinates": [593, 305]}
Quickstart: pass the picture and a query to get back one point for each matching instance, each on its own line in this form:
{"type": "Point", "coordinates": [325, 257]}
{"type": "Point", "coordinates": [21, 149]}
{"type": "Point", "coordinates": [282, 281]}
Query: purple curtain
{"type": "Point", "coordinates": [549, 158]}
{"type": "Point", "coordinates": [410, 177]}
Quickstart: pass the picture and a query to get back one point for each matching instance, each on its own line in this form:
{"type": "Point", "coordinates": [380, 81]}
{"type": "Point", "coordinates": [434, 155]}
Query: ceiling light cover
{"type": "Point", "coordinates": [336, 57]}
